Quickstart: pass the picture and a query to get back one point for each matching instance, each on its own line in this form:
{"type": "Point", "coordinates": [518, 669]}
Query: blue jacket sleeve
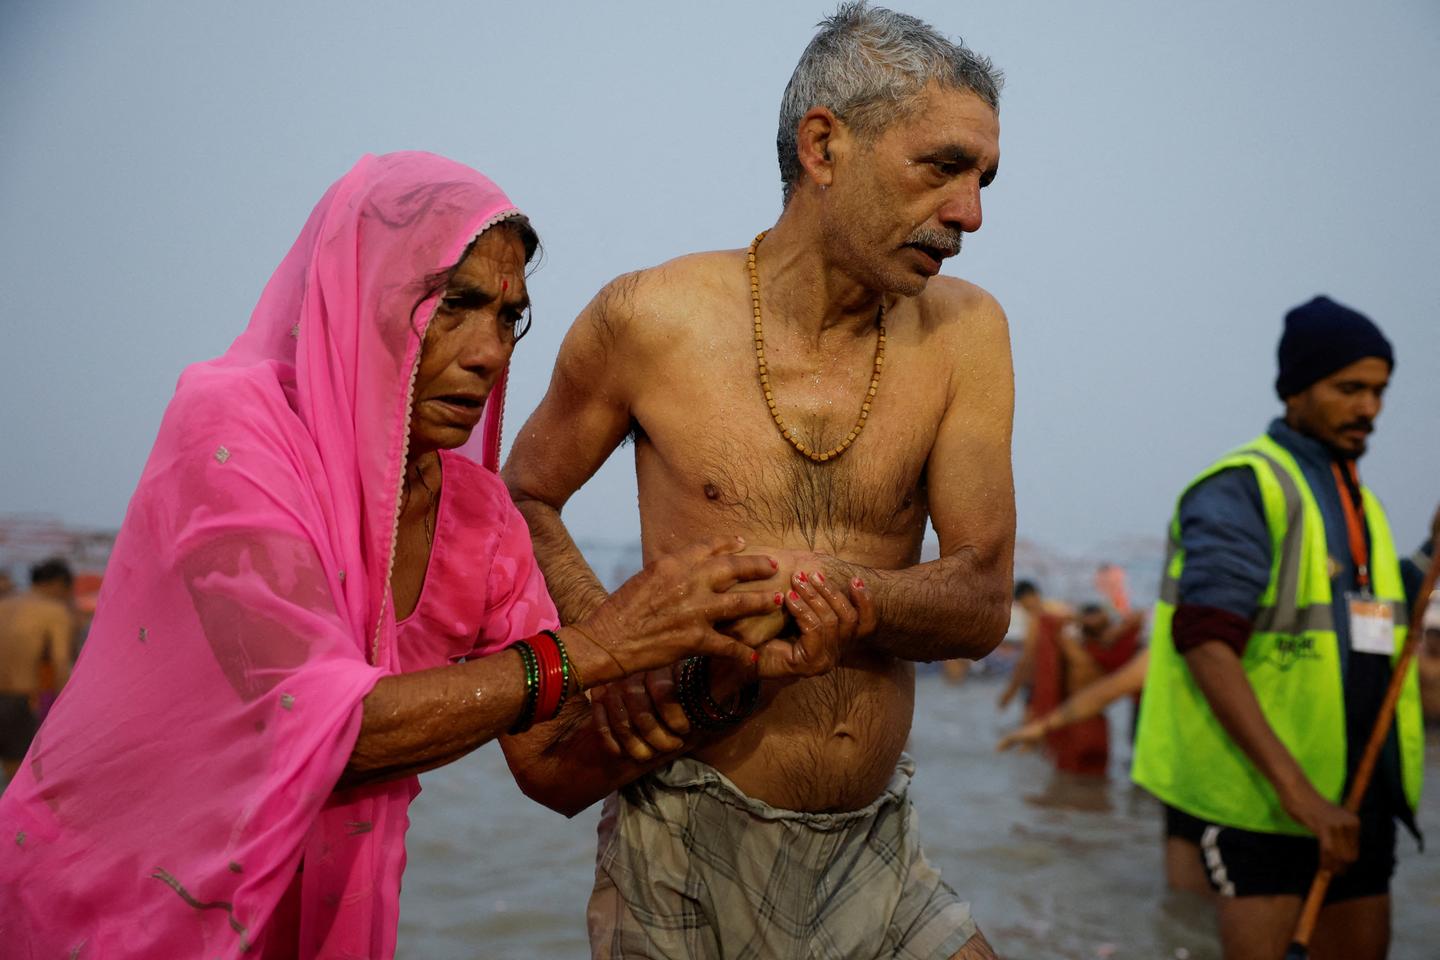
{"type": "Point", "coordinates": [1226, 543]}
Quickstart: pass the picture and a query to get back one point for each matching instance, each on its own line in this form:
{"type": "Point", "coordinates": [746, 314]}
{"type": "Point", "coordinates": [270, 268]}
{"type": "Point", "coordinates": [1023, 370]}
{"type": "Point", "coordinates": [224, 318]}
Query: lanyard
{"type": "Point", "coordinates": [1355, 526]}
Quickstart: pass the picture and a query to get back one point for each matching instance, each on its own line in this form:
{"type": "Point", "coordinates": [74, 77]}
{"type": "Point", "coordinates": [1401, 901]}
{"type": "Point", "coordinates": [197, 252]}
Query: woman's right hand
{"type": "Point", "coordinates": [668, 612]}
{"type": "Point", "coordinates": [829, 623]}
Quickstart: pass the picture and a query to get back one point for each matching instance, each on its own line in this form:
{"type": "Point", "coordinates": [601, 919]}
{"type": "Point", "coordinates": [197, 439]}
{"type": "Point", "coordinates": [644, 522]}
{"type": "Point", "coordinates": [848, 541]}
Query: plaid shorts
{"type": "Point", "coordinates": [689, 867]}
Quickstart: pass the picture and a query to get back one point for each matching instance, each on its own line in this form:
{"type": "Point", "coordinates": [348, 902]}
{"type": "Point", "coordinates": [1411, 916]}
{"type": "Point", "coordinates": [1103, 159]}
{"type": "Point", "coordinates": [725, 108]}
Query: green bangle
{"type": "Point", "coordinates": [532, 687]}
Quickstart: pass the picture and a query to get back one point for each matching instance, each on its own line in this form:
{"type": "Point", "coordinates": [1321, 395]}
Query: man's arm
{"type": "Point", "coordinates": [572, 761]}
{"type": "Point", "coordinates": [1218, 673]}
{"type": "Point", "coordinates": [959, 605]}
{"type": "Point", "coordinates": [565, 764]}
{"type": "Point", "coordinates": [1227, 568]}
{"type": "Point", "coordinates": [579, 423]}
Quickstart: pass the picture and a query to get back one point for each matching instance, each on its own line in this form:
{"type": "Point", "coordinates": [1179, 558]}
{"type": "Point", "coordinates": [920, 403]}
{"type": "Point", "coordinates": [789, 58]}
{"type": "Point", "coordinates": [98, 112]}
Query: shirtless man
{"type": "Point", "coordinates": [793, 835]}
{"type": "Point", "coordinates": [35, 626]}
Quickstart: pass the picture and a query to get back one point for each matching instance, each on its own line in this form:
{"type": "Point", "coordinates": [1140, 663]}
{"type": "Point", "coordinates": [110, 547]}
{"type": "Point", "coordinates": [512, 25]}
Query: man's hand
{"type": "Point", "coordinates": [1025, 737]}
{"type": "Point", "coordinates": [639, 716]}
{"type": "Point", "coordinates": [1337, 829]}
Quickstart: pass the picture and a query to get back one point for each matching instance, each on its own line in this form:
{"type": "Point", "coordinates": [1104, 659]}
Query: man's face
{"type": "Point", "coordinates": [468, 342]}
{"type": "Point", "coordinates": [899, 205]}
{"type": "Point", "coordinates": [1340, 410]}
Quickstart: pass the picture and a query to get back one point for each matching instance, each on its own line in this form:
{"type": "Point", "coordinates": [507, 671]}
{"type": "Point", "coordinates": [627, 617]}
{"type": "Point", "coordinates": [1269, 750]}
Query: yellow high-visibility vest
{"type": "Point", "coordinates": [1292, 660]}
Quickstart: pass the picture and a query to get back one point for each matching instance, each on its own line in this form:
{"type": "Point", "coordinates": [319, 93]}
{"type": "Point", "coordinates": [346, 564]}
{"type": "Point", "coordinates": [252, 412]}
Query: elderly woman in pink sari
{"type": "Point", "coordinates": [308, 603]}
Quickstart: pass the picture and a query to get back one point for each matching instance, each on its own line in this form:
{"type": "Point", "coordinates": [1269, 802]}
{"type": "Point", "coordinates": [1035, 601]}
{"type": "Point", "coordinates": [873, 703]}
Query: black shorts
{"type": "Point", "coordinates": [1243, 863]}
{"type": "Point", "coordinates": [17, 726]}
{"type": "Point", "coordinates": [1180, 824]}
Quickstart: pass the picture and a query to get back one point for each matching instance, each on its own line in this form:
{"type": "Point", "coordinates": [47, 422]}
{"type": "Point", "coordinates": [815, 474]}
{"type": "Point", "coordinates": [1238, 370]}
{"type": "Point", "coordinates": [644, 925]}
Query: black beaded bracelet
{"type": "Point", "coordinates": [745, 702]}
{"type": "Point", "coordinates": [532, 687]}
{"type": "Point", "coordinates": [698, 702]}
{"type": "Point", "coordinates": [686, 692]}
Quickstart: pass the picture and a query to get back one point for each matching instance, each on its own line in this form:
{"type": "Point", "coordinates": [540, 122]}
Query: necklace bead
{"type": "Point", "coordinates": [764, 372]}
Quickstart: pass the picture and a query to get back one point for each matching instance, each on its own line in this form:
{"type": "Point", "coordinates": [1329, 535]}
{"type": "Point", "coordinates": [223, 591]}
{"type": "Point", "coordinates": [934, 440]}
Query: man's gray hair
{"type": "Point", "coordinates": [866, 65]}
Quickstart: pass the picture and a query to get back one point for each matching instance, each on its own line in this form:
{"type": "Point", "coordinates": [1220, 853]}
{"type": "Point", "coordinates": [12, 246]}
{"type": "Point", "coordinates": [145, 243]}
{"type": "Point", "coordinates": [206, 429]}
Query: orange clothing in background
{"type": "Point", "coordinates": [1082, 747]}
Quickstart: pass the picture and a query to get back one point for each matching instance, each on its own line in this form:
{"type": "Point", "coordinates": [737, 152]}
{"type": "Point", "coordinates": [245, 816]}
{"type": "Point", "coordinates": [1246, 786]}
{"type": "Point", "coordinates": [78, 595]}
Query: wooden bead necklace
{"type": "Point", "coordinates": [785, 431]}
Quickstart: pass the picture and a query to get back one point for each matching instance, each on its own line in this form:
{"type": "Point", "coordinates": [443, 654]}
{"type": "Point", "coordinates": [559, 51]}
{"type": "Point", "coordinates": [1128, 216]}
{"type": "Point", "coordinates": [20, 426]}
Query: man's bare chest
{"type": "Point", "coordinates": [709, 452]}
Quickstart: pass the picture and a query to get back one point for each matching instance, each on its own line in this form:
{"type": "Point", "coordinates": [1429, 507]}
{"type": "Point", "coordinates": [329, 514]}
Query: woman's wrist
{"type": "Point", "coordinates": [592, 660]}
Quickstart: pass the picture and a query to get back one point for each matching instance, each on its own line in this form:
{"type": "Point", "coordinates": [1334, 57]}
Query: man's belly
{"type": "Point", "coordinates": [826, 743]}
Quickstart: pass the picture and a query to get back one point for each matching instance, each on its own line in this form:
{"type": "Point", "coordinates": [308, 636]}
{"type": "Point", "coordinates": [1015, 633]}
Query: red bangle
{"type": "Point", "coordinates": [552, 677]}
{"type": "Point", "coordinates": [542, 656]}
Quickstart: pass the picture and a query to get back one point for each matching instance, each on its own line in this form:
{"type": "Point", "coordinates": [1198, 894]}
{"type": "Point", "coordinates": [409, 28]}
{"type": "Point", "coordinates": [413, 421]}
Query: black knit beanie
{"type": "Point", "coordinates": [1323, 336]}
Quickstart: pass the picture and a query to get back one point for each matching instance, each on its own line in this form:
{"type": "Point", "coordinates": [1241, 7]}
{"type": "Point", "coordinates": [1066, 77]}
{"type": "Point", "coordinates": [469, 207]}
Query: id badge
{"type": "Point", "coordinates": [1372, 624]}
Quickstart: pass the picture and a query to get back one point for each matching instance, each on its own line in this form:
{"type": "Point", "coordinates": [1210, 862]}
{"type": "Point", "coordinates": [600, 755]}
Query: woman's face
{"type": "Point", "coordinates": [468, 342]}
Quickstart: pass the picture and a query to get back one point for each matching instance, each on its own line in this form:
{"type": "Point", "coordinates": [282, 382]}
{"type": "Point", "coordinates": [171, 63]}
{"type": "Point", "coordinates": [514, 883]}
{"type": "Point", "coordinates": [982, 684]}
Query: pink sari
{"type": "Point", "coordinates": [180, 799]}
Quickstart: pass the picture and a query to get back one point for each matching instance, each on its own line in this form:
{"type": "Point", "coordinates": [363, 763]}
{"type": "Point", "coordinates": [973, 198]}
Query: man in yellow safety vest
{"type": "Point", "coordinates": [1282, 609]}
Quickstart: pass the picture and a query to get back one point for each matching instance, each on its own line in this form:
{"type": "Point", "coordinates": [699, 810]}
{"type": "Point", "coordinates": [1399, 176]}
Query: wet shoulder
{"type": "Point", "coordinates": [962, 327]}
{"type": "Point", "coordinates": [962, 311]}
{"type": "Point", "coordinates": [651, 307]}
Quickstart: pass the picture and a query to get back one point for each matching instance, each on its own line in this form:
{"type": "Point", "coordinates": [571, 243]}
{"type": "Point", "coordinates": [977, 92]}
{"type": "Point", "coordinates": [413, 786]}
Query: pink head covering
{"type": "Point", "coordinates": [192, 759]}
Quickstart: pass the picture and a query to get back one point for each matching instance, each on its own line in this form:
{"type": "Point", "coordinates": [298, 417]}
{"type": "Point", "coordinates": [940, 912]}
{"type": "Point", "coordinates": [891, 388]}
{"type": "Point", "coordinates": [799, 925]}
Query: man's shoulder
{"type": "Point", "coordinates": [963, 311]}
{"type": "Point", "coordinates": [953, 295]}
{"type": "Point", "coordinates": [32, 608]}
{"type": "Point", "coordinates": [654, 301]}
{"type": "Point", "coordinates": [1226, 472]}
{"type": "Point", "coordinates": [678, 281]}
{"type": "Point", "coordinates": [962, 328]}
{"type": "Point", "coordinates": [1228, 496]}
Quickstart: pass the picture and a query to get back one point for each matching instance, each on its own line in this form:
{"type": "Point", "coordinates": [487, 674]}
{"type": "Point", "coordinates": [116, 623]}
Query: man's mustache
{"type": "Point", "coordinates": [1366, 425]}
{"type": "Point", "coordinates": [945, 241]}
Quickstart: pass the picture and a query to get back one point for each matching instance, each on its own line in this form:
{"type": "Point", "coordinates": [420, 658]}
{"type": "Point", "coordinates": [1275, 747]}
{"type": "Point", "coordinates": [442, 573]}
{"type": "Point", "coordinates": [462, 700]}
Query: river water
{"type": "Point", "coordinates": [1056, 867]}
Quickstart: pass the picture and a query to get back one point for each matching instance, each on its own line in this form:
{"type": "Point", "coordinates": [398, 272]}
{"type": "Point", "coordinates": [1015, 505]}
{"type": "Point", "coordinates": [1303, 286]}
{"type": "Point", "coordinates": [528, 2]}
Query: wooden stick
{"type": "Point", "coordinates": [1300, 942]}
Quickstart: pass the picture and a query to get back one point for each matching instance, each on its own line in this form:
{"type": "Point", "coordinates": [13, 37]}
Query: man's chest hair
{"type": "Point", "coordinates": [772, 489]}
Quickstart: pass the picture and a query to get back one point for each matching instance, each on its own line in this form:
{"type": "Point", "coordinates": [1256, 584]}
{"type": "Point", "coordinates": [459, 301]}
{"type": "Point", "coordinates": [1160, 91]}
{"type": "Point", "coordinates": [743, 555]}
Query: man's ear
{"type": "Point", "coordinates": [819, 133]}
{"type": "Point", "coordinates": [1292, 406]}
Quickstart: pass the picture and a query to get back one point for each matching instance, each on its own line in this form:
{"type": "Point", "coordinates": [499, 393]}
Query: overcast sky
{"type": "Point", "coordinates": [1174, 177]}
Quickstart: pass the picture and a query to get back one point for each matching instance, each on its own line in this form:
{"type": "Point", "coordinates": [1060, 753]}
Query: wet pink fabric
{"type": "Point", "coordinates": [189, 767]}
